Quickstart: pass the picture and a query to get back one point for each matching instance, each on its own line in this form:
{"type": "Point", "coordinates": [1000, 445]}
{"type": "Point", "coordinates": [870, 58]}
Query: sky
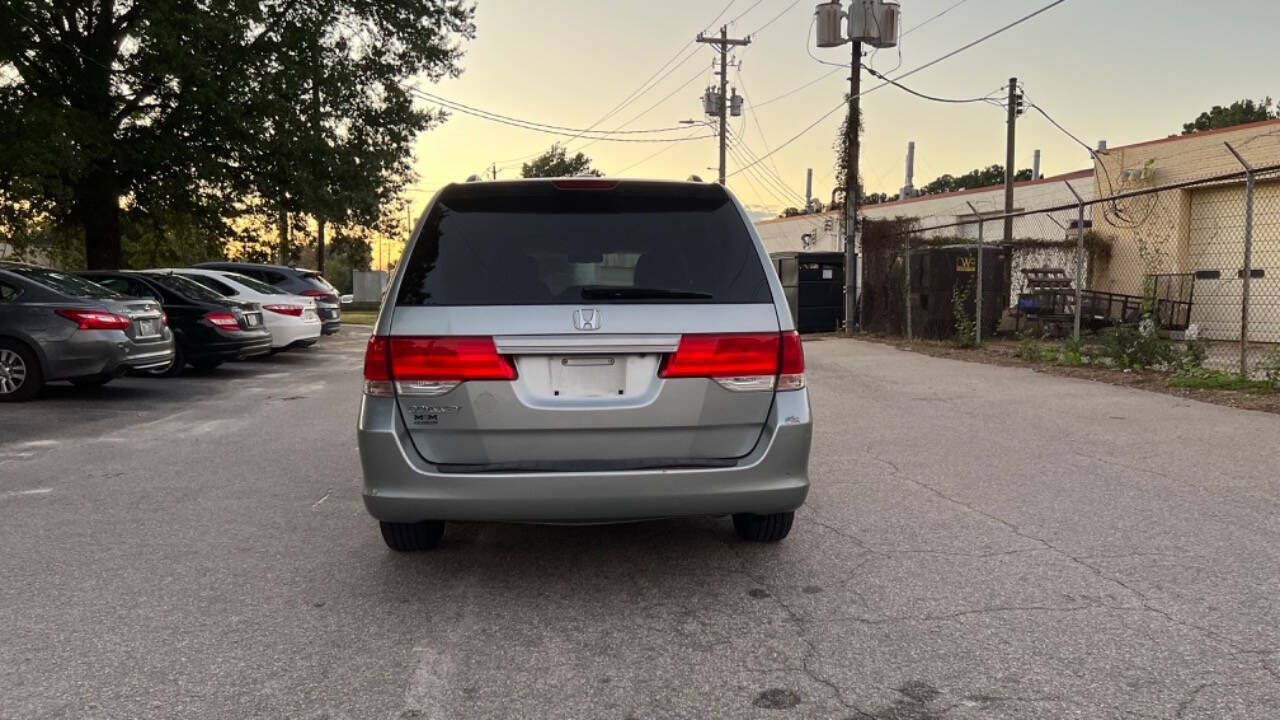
{"type": "Point", "coordinates": [1123, 71]}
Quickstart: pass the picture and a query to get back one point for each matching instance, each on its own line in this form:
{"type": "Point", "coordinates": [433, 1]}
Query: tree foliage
{"type": "Point", "coordinates": [979, 178]}
{"type": "Point", "coordinates": [167, 120]}
{"type": "Point", "coordinates": [1237, 113]}
{"type": "Point", "coordinates": [557, 163]}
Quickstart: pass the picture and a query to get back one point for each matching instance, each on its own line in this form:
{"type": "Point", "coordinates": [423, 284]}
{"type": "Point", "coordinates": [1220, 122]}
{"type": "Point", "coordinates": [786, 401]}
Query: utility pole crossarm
{"type": "Point", "coordinates": [725, 40]}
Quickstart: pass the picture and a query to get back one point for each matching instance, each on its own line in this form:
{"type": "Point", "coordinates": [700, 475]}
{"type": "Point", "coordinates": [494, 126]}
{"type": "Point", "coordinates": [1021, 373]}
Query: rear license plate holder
{"type": "Point", "coordinates": [588, 376]}
{"type": "Point", "coordinates": [251, 320]}
{"type": "Point", "coordinates": [148, 328]}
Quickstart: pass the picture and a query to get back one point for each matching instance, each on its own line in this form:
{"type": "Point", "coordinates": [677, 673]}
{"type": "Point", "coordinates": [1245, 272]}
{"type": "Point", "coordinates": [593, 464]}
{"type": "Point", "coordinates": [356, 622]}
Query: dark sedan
{"type": "Point", "coordinates": [209, 328]}
{"type": "Point", "coordinates": [298, 281]}
{"type": "Point", "coordinates": [56, 326]}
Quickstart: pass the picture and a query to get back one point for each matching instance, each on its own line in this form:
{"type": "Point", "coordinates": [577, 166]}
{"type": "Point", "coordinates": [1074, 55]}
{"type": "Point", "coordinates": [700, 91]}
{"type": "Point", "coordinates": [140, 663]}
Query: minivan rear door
{"type": "Point", "coordinates": [563, 308]}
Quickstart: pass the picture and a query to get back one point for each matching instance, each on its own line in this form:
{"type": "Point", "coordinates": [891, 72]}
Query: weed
{"type": "Point", "coordinates": [1269, 366]}
{"type": "Point", "coordinates": [966, 327]}
{"type": "Point", "coordinates": [1203, 379]}
{"type": "Point", "coordinates": [1030, 347]}
{"type": "Point", "coordinates": [1073, 352]}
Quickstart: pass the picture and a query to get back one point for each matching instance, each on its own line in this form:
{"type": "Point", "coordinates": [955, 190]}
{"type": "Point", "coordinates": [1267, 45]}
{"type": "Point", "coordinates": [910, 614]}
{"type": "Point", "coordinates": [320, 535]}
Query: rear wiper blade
{"type": "Point", "coordinates": [614, 292]}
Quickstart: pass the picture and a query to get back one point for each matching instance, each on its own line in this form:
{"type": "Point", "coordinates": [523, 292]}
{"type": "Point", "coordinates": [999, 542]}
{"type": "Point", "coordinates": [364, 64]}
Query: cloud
{"type": "Point", "coordinates": [760, 212]}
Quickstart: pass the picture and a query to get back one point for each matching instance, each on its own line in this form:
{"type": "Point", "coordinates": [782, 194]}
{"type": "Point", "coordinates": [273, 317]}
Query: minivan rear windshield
{"type": "Point", "coordinates": [531, 244]}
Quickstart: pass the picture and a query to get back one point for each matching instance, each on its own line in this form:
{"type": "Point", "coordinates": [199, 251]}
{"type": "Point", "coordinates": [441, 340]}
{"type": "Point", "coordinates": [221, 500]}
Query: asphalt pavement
{"type": "Point", "coordinates": [979, 542]}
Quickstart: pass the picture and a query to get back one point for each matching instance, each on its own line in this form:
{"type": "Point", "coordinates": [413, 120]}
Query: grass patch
{"type": "Point", "coordinates": [359, 317]}
{"type": "Point", "coordinates": [1217, 380]}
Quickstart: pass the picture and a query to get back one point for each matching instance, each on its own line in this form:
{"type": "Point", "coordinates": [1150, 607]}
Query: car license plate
{"type": "Point", "coordinates": [251, 320]}
{"type": "Point", "coordinates": [309, 315]}
{"type": "Point", "coordinates": [148, 328]}
{"type": "Point", "coordinates": [588, 376]}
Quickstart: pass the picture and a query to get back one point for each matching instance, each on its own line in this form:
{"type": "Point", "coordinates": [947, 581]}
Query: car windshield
{"type": "Point", "coordinates": [187, 287]}
{"type": "Point", "coordinates": [255, 285]}
{"type": "Point", "coordinates": [538, 246]}
{"type": "Point", "coordinates": [65, 283]}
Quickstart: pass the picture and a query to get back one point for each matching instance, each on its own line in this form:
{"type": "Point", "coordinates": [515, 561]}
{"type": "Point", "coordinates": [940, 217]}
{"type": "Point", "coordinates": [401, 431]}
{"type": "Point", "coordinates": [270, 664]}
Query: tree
{"type": "Point", "coordinates": [556, 163]}
{"type": "Point", "coordinates": [980, 178]}
{"type": "Point", "coordinates": [878, 198]}
{"type": "Point", "coordinates": [1238, 113]}
{"type": "Point", "coordinates": [112, 111]}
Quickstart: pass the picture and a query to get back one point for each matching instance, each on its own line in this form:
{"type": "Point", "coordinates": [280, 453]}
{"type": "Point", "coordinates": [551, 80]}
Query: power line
{"type": "Point", "coordinates": [647, 158]}
{"type": "Point", "coordinates": [921, 68]}
{"type": "Point", "coordinates": [446, 101]}
{"type": "Point", "coordinates": [525, 126]}
{"type": "Point", "coordinates": [775, 18]}
{"type": "Point", "coordinates": [649, 109]}
{"type": "Point", "coordinates": [740, 15]}
{"type": "Point", "coordinates": [985, 99]}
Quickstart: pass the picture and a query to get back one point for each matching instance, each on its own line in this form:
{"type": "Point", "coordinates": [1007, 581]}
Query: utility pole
{"type": "Point", "coordinates": [851, 191]}
{"type": "Point", "coordinates": [1015, 109]}
{"type": "Point", "coordinates": [724, 42]}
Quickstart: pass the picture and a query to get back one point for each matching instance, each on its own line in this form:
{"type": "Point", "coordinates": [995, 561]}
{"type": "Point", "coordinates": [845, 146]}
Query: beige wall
{"type": "Point", "coordinates": [1150, 233]}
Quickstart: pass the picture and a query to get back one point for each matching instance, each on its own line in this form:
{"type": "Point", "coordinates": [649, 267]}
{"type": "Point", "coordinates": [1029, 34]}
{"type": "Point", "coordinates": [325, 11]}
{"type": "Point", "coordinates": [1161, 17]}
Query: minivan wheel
{"type": "Point", "coordinates": [763, 528]}
{"type": "Point", "coordinates": [20, 375]}
{"type": "Point", "coordinates": [413, 537]}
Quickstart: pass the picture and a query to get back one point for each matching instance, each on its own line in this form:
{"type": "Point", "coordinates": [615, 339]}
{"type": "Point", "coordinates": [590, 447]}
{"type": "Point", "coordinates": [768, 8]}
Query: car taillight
{"type": "Point", "coordinates": [94, 319]}
{"type": "Point", "coordinates": [426, 366]}
{"type": "Point", "coordinates": [321, 294]}
{"type": "Point", "coordinates": [291, 310]}
{"type": "Point", "coordinates": [791, 372]}
{"type": "Point", "coordinates": [377, 368]}
{"type": "Point", "coordinates": [224, 321]}
{"type": "Point", "coordinates": [164, 319]}
{"type": "Point", "coordinates": [741, 362]}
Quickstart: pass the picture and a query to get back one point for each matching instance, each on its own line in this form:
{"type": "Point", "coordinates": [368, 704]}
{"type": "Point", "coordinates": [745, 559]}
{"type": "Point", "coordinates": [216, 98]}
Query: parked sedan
{"type": "Point", "coordinates": [209, 329]}
{"type": "Point", "coordinates": [291, 319]}
{"type": "Point", "coordinates": [293, 280]}
{"type": "Point", "coordinates": [56, 326]}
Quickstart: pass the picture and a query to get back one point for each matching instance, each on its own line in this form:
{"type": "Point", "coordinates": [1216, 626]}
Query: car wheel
{"type": "Point", "coordinates": [173, 369]}
{"type": "Point", "coordinates": [413, 537]}
{"type": "Point", "coordinates": [92, 381]}
{"type": "Point", "coordinates": [763, 528]}
{"type": "Point", "coordinates": [20, 374]}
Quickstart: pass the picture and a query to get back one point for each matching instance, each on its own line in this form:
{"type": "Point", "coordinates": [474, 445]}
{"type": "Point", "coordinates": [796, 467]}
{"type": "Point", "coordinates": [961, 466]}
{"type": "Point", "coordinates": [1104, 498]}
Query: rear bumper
{"type": "Point", "coordinates": [399, 486]}
{"type": "Point", "coordinates": [88, 353]}
{"type": "Point", "coordinates": [288, 334]}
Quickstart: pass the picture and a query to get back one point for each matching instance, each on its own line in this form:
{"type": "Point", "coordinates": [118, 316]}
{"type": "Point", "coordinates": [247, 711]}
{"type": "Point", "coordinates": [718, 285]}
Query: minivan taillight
{"type": "Point", "coordinates": [741, 362]}
{"type": "Point", "coordinates": [427, 366]}
{"type": "Point", "coordinates": [94, 319]}
{"type": "Point", "coordinates": [791, 373]}
{"type": "Point", "coordinates": [377, 368]}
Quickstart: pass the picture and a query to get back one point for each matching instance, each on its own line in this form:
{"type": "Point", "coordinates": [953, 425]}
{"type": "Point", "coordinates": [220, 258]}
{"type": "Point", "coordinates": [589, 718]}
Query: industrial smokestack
{"type": "Point", "coordinates": [808, 188]}
{"type": "Point", "coordinates": [1035, 167]}
{"type": "Point", "coordinates": [909, 189]}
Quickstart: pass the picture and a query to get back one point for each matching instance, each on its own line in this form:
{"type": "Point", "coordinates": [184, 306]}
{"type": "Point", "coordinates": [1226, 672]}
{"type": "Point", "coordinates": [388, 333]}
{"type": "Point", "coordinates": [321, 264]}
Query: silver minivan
{"type": "Point", "coordinates": [583, 350]}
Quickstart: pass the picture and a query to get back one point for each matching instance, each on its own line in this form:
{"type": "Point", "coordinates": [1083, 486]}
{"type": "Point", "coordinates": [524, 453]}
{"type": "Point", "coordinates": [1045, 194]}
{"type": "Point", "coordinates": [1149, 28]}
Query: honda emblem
{"type": "Point", "coordinates": [586, 319]}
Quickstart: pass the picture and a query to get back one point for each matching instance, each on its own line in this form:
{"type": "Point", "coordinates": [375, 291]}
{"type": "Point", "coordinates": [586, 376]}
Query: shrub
{"type": "Point", "coordinates": [1073, 352]}
{"type": "Point", "coordinates": [1132, 348]}
{"type": "Point", "coordinates": [1030, 347]}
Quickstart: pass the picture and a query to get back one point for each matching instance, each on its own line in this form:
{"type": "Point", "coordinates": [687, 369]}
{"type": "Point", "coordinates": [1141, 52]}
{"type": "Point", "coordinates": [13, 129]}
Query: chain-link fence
{"type": "Point", "coordinates": [1193, 261]}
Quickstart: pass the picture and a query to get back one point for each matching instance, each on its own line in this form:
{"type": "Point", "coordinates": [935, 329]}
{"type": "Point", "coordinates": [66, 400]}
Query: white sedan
{"type": "Point", "coordinates": [291, 319]}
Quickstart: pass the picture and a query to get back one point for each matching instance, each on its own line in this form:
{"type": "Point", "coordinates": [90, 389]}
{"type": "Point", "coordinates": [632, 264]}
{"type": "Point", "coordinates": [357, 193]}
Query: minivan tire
{"type": "Point", "coordinates": [22, 356]}
{"type": "Point", "coordinates": [413, 537]}
{"type": "Point", "coordinates": [763, 528]}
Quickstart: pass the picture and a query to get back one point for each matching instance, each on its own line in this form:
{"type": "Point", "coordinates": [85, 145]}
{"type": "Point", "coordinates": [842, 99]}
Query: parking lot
{"type": "Point", "coordinates": [979, 542]}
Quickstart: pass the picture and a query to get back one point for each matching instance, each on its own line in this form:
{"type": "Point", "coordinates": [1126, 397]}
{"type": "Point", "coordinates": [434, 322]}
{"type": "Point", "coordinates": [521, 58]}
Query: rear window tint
{"type": "Point", "coordinates": [539, 246]}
